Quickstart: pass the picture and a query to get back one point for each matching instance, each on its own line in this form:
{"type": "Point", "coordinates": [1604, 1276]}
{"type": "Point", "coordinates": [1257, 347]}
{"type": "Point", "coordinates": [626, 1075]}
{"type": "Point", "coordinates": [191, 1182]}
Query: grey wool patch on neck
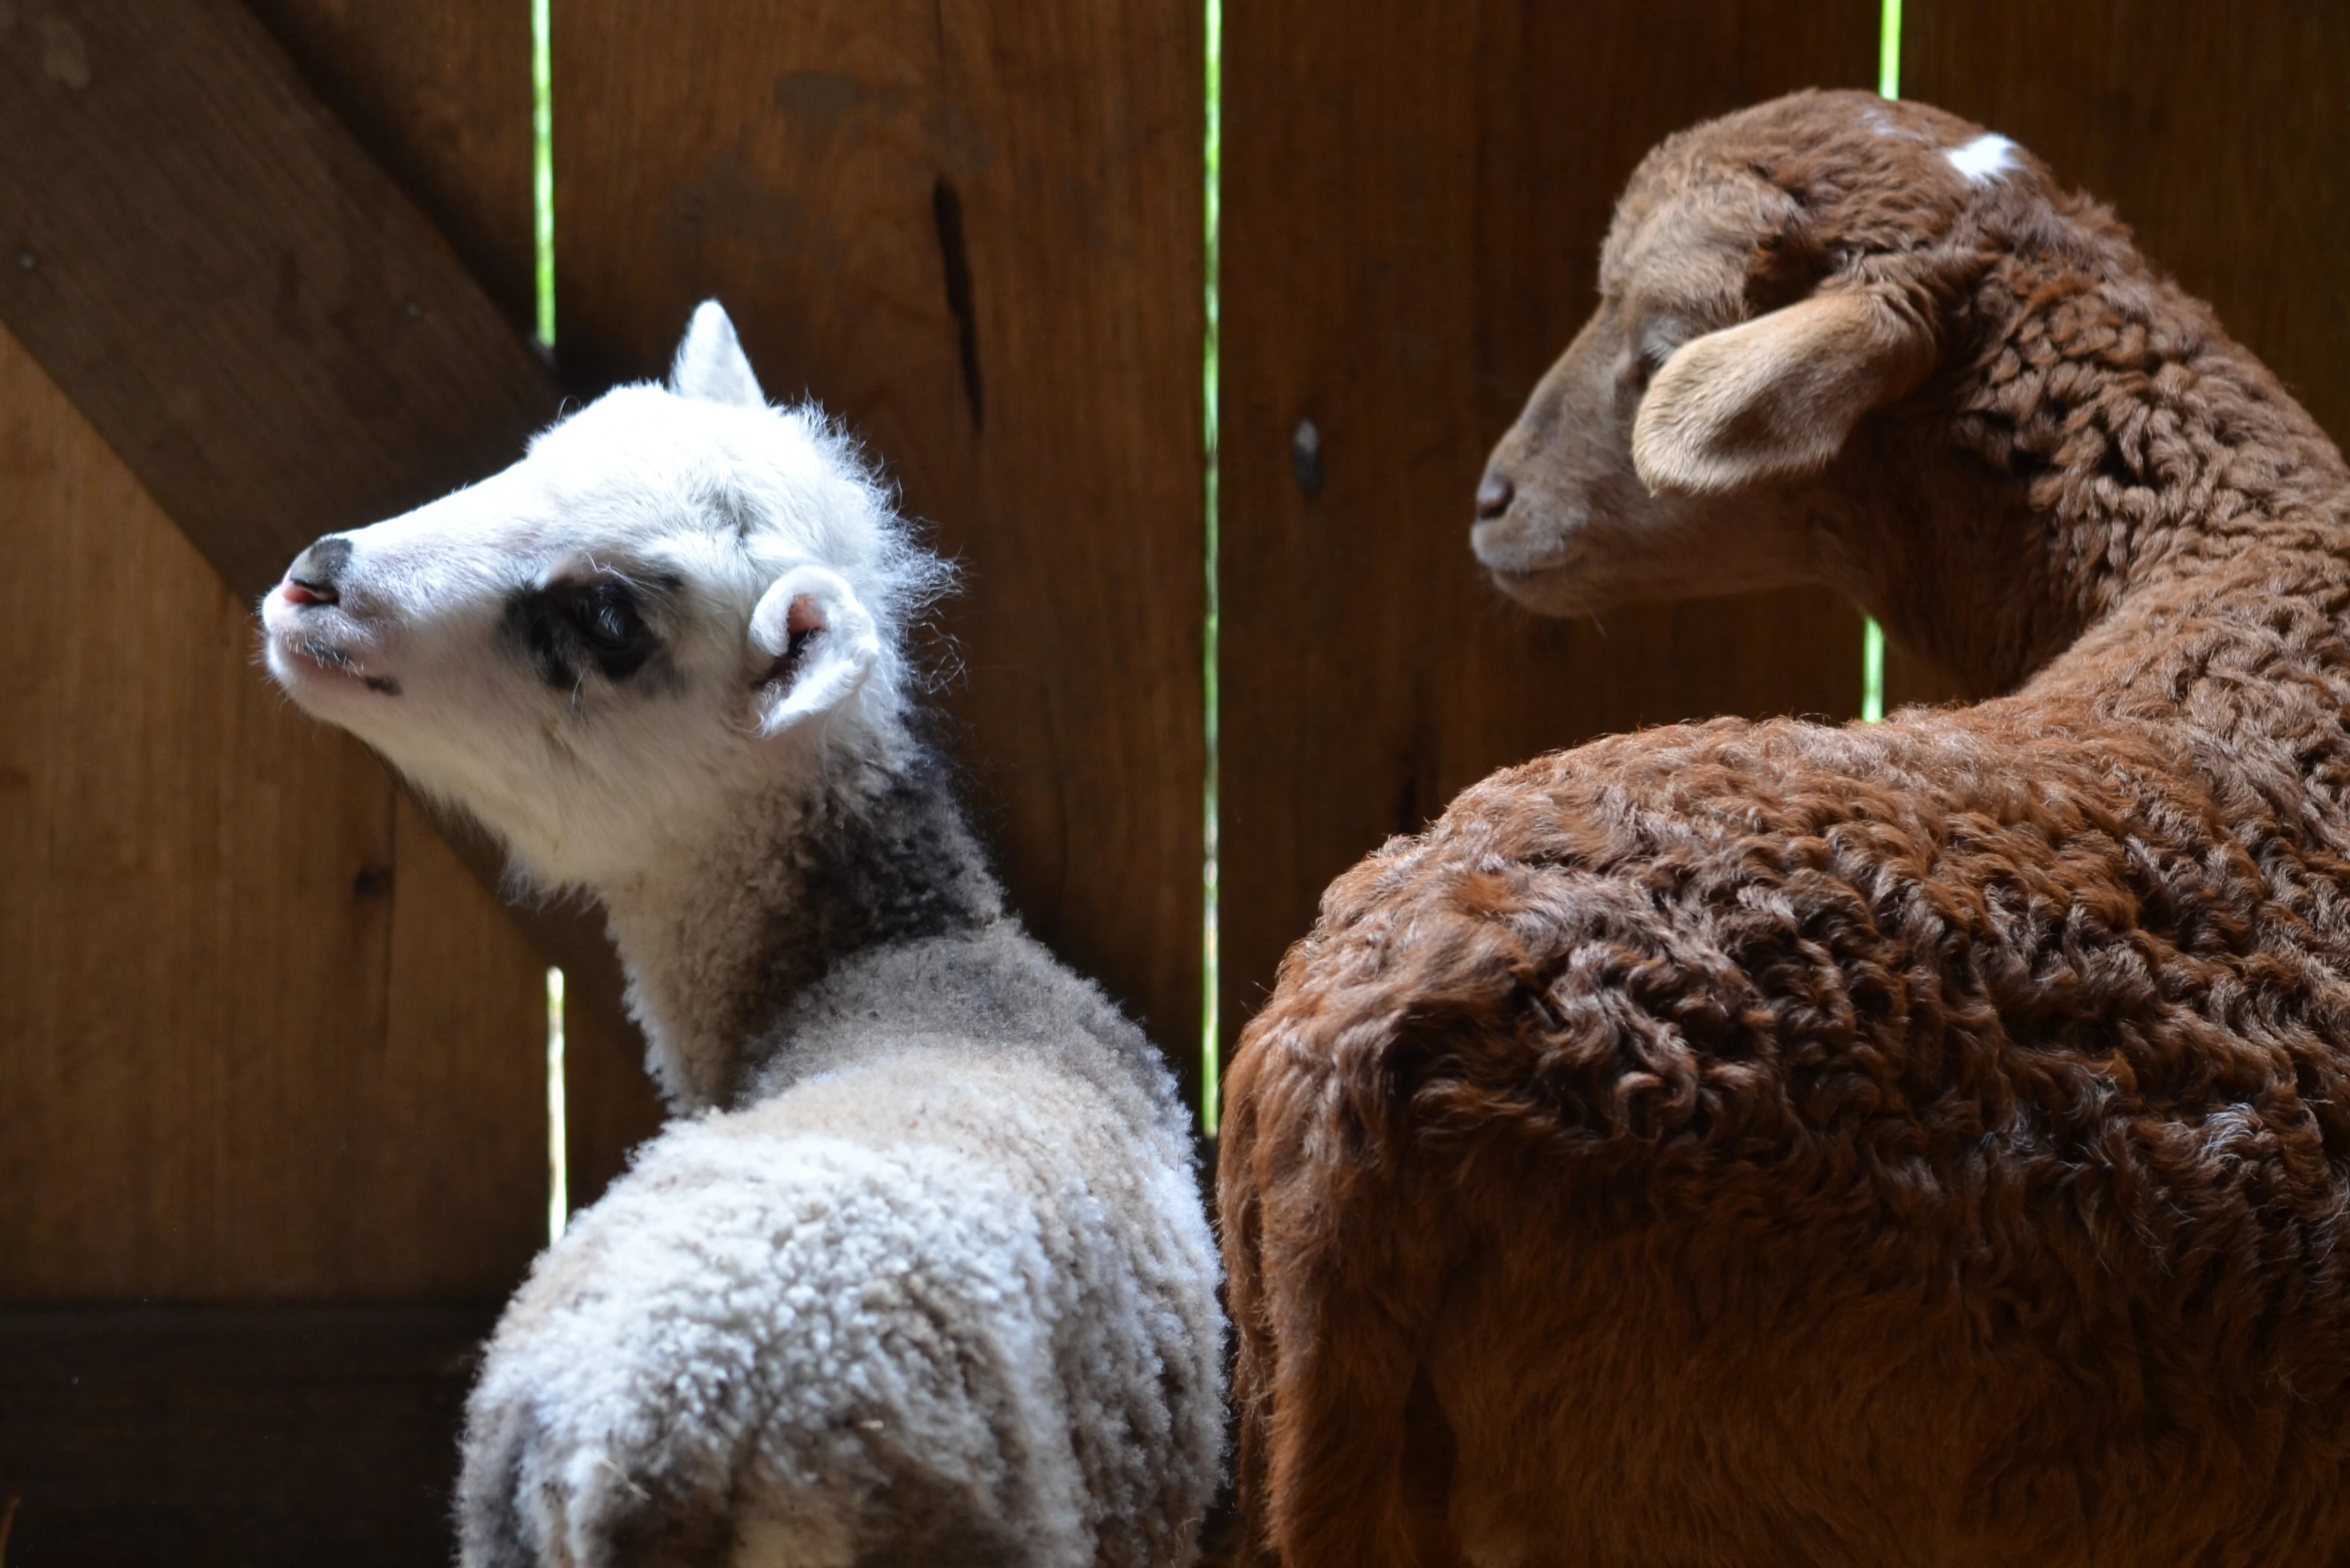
{"type": "Point", "coordinates": [867, 869]}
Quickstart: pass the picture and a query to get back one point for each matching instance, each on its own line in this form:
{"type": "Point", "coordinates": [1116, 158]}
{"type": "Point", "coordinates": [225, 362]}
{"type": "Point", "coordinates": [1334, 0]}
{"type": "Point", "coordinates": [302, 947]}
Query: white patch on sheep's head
{"type": "Point", "coordinates": [680, 597]}
{"type": "Point", "coordinates": [1984, 158]}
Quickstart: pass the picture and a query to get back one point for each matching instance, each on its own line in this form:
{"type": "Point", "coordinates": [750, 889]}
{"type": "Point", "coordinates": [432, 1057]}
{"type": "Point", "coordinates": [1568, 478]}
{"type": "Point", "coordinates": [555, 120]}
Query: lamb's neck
{"type": "Point", "coordinates": [2178, 529]}
{"type": "Point", "coordinates": [2116, 465]}
{"type": "Point", "coordinates": [2210, 529]}
{"type": "Point", "coordinates": [717, 944]}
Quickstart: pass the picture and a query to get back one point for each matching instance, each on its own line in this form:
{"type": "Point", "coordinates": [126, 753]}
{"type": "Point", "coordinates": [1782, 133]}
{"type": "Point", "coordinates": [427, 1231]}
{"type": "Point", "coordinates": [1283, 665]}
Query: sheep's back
{"type": "Point", "coordinates": [1978, 1044]}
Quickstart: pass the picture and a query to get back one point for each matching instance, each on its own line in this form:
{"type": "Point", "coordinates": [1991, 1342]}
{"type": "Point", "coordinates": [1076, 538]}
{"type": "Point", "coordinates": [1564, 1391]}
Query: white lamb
{"type": "Point", "coordinates": [922, 1275]}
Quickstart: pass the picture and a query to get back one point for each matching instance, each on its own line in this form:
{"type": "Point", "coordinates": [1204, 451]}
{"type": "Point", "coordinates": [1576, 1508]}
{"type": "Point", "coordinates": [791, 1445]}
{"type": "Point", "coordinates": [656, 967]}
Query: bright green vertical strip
{"type": "Point", "coordinates": [1888, 51]}
{"type": "Point", "coordinates": [1872, 670]}
{"type": "Point", "coordinates": [1872, 635]}
{"type": "Point", "coordinates": [1211, 1048]}
{"type": "Point", "coordinates": [542, 162]}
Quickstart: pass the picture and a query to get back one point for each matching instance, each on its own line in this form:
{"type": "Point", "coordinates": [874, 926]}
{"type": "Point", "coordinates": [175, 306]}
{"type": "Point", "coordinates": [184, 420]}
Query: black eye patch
{"type": "Point", "coordinates": [569, 626]}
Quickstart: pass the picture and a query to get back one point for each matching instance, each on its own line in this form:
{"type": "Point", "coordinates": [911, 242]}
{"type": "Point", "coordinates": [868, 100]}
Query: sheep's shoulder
{"type": "Point", "coordinates": [1909, 972]}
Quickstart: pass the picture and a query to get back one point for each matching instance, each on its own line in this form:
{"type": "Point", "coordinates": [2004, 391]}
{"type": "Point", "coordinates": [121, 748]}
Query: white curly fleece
{"type": "Point", "coordinates": [920, 1301]}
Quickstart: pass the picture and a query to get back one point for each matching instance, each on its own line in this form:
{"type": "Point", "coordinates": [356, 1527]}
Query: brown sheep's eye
{"type": "Point", "coordinates": [1648, 358]}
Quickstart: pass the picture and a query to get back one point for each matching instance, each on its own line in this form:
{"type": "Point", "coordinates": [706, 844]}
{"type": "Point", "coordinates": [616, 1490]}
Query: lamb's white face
{"type": "Point", "coordinates": [672, 599]}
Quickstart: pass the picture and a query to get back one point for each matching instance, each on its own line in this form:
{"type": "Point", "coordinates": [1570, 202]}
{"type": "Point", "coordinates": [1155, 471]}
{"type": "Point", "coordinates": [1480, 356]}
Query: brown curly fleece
{"type": "Point", "coordinates": [1927, 1143]}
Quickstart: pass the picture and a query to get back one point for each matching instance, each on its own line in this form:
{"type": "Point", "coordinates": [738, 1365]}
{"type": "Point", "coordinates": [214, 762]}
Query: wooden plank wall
{"type": "Point", "coordinates": [264, 1040]}
{"type": "Point", "coordinates": [2218, 133]}
{"type": "Point", "coordinates": [1414, 198]}
{"type": "Point", "coordinates": [438, 93]}
{"type": "Point", "coordinates": [219, 1438]}
{"type": "Point", "coordinates": [975, 233]}
{"type": "Point", "coordinates": [231, 290]}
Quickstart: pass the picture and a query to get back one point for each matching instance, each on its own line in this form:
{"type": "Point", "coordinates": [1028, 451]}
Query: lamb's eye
{"type": "Point", "coordinates": [607, 615]}
{"type": "Point", "coordinates": [1654, 349]}
{"type": "Point", "coordinates": [1643, 358]}
{"type": "Point", "coordinates": [568, 625]}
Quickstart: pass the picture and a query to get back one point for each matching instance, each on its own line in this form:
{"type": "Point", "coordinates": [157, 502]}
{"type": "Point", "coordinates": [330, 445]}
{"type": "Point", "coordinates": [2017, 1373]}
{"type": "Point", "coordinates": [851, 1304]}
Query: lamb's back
{"type": "Point", "coordinates": [935, 1292]}
{"type": "Point", "coordinates": [2011, 1004]}
{"type": "Point", "coordinates": [1961, 1101]}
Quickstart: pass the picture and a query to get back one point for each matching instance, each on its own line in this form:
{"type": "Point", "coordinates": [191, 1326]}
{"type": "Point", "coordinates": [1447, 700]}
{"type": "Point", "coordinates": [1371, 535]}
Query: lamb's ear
{"type": "Point", "coordinates": [1775, 397]}
{"type": "Point", "coordinates": [711, 364]}
{"type": "Point", "coordinates": [816, 644]}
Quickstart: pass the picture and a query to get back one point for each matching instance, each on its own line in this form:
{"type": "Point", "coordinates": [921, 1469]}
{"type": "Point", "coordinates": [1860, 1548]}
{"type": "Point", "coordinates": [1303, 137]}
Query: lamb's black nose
{"type": "Point", "coordinates": [1493, 496]}
{"type": "Point", "coordinates": [314, 571]}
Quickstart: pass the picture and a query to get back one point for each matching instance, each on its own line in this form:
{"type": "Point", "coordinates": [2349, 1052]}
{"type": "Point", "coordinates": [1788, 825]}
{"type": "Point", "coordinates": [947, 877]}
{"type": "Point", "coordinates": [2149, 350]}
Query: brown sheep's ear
{"type": "Point", "coordinates": [1775, 397]}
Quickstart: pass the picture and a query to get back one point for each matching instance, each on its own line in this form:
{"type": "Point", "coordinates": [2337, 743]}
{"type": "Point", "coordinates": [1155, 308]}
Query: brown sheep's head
{"type": "Point", "coordinates": [1771, 281]}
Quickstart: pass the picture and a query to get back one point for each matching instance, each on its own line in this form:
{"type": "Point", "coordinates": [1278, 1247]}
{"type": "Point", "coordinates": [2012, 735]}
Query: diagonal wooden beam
{"type": "Point", "coordinates": [273, 338]}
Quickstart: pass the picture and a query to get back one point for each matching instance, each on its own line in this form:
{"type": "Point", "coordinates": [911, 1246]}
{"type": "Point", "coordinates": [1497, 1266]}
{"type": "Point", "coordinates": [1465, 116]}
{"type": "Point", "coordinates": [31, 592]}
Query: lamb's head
{"type": "Point", "coordinates": [1775, 285]}
{"type": "Point", "coordinates": [679, 597]}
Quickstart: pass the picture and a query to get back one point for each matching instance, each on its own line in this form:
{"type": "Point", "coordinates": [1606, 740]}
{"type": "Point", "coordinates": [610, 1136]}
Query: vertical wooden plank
{"type": "Point", "coordinates": [976, 234]}
{"type": "Point", "coordinates": [1414, 199]}
{"type": "Point", "coordinates": [438, 92]}
{"type": "Point", "coordinates": [2218, 133]}
{"type": "Point", "coordinates": [212, 1091]}
{"type": "Point", "coordinates": [465, 1007]}
{"type": "Point", "coordinates": [263, 1036]}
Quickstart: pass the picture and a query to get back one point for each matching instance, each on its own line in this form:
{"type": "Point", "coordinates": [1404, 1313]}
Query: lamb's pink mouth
{"type": "Point", "coordinates": [299, 626]}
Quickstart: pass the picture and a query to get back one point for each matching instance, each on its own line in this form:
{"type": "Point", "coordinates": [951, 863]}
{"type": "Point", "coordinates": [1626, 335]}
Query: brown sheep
{"type": "Point", "coordinates": [1927, 1143]}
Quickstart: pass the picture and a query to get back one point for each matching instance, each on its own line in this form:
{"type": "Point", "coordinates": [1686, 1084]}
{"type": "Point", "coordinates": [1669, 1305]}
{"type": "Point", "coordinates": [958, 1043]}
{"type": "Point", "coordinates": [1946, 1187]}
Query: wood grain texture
{"type": "Point", "coordinates": [277, 341]}
{"type": "Point", "coordinates": [438, 93]}
{"type": "Point", "coordinates": [976, 235]}
{"type": "Point", "coordinates": [261, 1036]}
{"type": "Point", "coordinates": [2218, 133]}
{"type": "Point", "coordinates": [609, 1102]}
{"type": "Point", "coordinates": [1414, 199]}
{"type": "Point", "coordinates": [233, 1438]}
